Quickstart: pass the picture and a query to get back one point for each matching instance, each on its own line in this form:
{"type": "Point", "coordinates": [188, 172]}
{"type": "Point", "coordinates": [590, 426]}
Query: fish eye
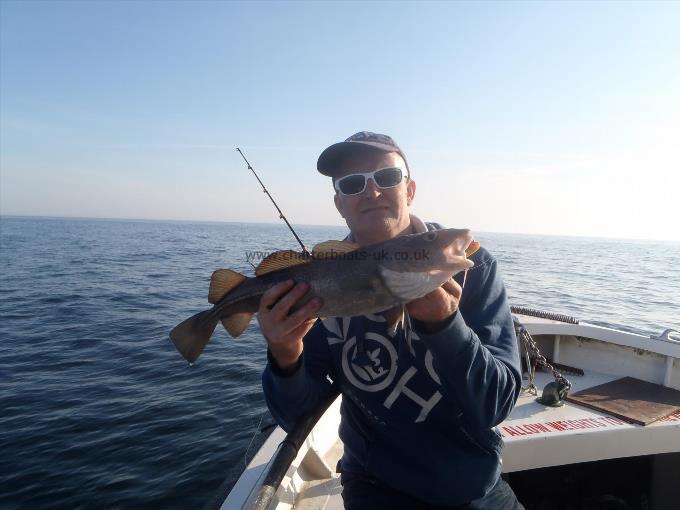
{"type": "Point", "coordinates": [431, 236]}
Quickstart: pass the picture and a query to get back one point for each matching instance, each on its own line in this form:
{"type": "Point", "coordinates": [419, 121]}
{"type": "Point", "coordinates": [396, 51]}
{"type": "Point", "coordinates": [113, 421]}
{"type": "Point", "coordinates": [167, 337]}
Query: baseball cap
{"type": "Point", "coordinates": [331, 158]}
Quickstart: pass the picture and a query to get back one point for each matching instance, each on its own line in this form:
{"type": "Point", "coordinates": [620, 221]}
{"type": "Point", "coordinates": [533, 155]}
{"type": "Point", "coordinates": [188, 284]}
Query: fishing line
{"type": "Point", "coordinates": [257, 429]}
{"type": "Point", "coordinates": [243, 381]}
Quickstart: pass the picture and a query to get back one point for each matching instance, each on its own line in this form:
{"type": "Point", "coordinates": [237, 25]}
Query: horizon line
{"type": "Point", "coordinates": [169, 220]}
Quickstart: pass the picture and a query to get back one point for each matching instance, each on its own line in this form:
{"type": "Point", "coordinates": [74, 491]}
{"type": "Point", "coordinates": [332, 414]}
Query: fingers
{"type": "Point", "coordinates": [284, 333]}
{"type": "Point", "coordinates": [303, 328]}
{"type": "Point", "coordinates": [452, 287]}
{"type": "Point", "coordinates": [274, 314]}
{"type": "Point", "coordinates": [306, 312]}
{"type": "Point", "coordinates": [272, 295]}
{"type": "Point", "coordinates": [282, 308]}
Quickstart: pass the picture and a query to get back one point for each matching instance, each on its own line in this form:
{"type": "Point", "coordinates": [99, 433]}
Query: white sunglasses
{"type": "Point", "coordinates": [384, 178]}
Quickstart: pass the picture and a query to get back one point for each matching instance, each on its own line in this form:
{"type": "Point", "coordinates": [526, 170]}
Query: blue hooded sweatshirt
{"type": "Point", "coordinates": [418, 410]}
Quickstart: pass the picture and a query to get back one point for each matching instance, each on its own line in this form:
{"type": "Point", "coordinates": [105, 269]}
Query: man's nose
{"type": "Point", "coordinates": [372, 189]}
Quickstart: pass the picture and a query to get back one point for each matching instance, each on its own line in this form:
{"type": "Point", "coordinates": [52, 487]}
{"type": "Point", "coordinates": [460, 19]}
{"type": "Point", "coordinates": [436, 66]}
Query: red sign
{"type": "Point", "coordinates": [527, 429]}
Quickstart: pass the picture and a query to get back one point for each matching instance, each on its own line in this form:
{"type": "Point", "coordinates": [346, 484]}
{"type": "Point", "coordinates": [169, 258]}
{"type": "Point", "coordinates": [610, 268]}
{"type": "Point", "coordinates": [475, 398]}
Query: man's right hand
{"type": "Point", "coordinates": [282, 330]}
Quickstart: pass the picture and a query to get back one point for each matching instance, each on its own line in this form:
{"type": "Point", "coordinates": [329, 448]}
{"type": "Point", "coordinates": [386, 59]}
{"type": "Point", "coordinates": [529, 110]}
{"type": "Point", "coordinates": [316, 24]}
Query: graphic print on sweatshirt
{"type": "Point", "coordinates": [395, 370]}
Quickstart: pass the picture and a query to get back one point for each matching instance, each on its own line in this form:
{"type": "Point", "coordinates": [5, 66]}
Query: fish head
{"type": "Point", "coordinates": [437, 250]}
{"type": "Point", "coordinates": [414, 265]}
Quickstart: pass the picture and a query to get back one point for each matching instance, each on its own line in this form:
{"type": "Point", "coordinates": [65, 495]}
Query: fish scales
{"type": "Point", "coordinates": [355, 282]}
{"type": "Point", "coordinates": [353, 287]}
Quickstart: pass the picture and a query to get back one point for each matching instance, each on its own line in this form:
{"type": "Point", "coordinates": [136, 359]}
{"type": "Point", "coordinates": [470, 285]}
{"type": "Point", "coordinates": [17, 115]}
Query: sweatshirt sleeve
{"type": "Point", "coordinates": [476, 354]}
{"type": "Point", "coordinates": [289, 396]}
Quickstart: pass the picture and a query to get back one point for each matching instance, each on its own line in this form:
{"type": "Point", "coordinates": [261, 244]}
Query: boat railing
{"type": "Point", "coordinates": [285, 454]}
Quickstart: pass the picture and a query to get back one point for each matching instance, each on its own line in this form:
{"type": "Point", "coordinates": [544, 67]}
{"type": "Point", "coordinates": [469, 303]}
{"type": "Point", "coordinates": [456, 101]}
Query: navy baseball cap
{"type": "Point", "coordinates": [331, 158]}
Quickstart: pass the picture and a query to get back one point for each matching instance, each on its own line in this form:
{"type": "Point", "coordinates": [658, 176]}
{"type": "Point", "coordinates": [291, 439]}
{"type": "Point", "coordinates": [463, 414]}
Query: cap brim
{"type": "Point", "coordinates": [330, 159]}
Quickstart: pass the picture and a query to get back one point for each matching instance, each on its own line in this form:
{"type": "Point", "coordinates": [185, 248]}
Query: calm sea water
{"type": "Point", "coordinates": [97, 410]}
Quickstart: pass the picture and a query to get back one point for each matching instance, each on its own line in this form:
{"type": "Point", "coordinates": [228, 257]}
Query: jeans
{"type": "Point", "coordinates": [360, 492]}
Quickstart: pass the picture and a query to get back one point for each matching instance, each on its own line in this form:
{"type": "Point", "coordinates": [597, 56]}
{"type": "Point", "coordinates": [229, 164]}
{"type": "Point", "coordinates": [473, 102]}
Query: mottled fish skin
{"type": "Point", "coordinates": [344, 286]}
{"type": "Point", "coordinates": [372, 279]}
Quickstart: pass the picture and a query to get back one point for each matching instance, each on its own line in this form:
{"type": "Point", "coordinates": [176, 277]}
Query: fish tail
{"type": "Point", "coordinates": [191, 336]}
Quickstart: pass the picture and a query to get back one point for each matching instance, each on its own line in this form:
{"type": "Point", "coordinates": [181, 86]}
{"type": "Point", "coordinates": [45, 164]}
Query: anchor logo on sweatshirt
{"type": "Point", "coordinates": [375, 369]}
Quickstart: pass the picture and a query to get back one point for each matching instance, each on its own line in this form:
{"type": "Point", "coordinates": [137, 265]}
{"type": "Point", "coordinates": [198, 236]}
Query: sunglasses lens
{"type": "Point", "coordinates": [388, 177]}
{"type": "Point", "coordinates": [352, 184]}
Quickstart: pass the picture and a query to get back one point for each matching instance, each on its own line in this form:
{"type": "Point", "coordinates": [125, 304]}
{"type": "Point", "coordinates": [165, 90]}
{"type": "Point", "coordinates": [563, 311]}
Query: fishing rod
{"type": "Point", "coordinates": [304, 250]}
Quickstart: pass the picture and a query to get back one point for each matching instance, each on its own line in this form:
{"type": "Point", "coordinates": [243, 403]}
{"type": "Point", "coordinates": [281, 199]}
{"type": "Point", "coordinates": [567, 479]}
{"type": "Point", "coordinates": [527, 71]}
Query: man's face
{"type": "Point", "coordinates": [376, 214]}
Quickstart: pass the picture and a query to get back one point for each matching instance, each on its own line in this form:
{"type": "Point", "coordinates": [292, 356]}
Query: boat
{"type": "Point", "coordinates": [558, 453]}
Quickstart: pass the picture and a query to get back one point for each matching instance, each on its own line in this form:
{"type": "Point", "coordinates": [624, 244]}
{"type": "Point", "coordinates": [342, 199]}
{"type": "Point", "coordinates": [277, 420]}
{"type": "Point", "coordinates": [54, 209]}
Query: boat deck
{"type": "Point", "coordinates": [578, 434]}
{"type": "Point", "coordinates": [322, 494]}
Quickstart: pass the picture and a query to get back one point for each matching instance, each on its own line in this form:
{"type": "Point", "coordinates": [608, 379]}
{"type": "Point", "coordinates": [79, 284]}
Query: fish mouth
{"type": "Point", "coordinates": [453, 245]}
{"type": "Point", "coordinates": [454, 261]}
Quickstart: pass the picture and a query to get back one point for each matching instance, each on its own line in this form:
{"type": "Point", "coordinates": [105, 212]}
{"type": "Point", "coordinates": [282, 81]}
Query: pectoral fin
{"type": "Point", "coordinates": [394, 317]}
{"type": "Point", "coordinates": [408, 286]}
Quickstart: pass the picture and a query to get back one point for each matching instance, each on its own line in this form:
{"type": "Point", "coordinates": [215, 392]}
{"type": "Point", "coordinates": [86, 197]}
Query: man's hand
{"type": "Point", "coordinates": [436, 307]}
{"type": "Point", "coordinates": [282, 330]}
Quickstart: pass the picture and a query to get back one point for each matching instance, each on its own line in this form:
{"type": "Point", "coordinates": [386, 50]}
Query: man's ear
{"type": "Point", "coordinates": [410, 191]}
{"type": "Point", "coordinates": [338, 204]}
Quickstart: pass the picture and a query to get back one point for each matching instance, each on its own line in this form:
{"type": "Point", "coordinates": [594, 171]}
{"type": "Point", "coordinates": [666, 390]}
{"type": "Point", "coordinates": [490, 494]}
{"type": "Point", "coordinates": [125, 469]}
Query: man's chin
{"type": "Point", "coordinates": [380, 221]}
{"type": "Point", "coordinates": [376, 226]}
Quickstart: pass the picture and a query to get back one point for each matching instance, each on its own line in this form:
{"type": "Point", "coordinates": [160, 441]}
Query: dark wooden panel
{"type": "Point", "coordinates": [630, 399]}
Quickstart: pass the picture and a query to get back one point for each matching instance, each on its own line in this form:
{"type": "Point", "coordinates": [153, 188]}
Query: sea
{"type": "Point", "coordinates": [98, 410]}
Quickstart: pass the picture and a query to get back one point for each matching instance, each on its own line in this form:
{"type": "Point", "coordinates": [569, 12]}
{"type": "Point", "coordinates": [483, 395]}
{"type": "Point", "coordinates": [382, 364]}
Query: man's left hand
{"type": "Point", "coordinates": [435, 308]}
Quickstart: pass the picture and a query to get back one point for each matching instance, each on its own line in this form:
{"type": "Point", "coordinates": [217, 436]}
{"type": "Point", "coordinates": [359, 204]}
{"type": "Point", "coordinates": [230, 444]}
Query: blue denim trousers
{"type": "Point", "coordinates": [360, 492]}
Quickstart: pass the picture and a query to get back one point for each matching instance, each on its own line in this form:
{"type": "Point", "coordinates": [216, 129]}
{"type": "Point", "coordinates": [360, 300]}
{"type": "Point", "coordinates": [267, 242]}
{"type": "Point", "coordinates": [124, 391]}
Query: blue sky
{"type": "Point", "coordinates": [555, 118]}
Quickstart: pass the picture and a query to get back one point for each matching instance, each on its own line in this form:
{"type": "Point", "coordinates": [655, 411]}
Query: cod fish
{"type": "Point", "coordinates": [350, 280]}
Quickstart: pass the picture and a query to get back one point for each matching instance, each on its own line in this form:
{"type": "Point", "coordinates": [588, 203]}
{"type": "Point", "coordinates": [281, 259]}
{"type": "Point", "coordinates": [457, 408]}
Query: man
{"type": "Point", "coordinates": [418, 412]}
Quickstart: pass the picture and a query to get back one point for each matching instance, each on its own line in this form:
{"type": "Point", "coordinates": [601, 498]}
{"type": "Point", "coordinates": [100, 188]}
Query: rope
{"type": "Point", "coordinates": [521, 310]}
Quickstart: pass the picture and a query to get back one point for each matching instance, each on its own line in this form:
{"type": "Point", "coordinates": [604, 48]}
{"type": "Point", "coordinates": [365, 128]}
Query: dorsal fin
{"type": "Point", "coordinates": [472, 249]}
{"type": "Point", "coordinates": [280, 260]}
{"type": "Point", "coordinates": [222, 282]}
{"type": "Point", "coordinates": [329, 249]}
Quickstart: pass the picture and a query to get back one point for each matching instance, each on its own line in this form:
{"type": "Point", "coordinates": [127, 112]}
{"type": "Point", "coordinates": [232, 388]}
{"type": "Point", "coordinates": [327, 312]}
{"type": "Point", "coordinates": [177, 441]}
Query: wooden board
{"type": "Point", "coordinates": [630, 399]}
